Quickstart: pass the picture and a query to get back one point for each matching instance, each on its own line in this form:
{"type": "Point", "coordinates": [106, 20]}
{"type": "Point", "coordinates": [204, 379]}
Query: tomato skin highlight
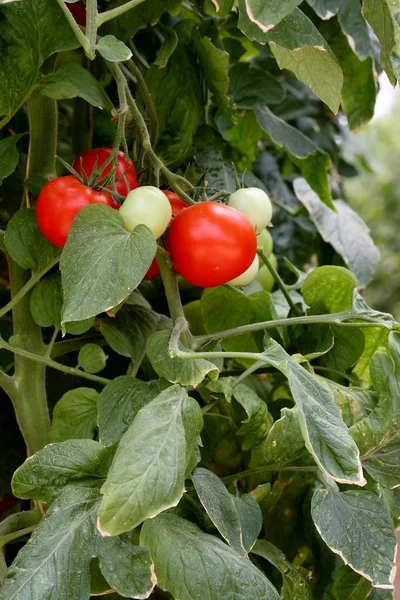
{"type": "Point", "coordinates": [176, 202]}
{"type": "Point", "coordinates": [124, 166]}
{"type": "Point", "coordinates": [153, 271]}
{"type": "Point", "coordinates": [146, 205]}
{"type": "Point", "coordinates": [59, 202]}
{"type": "Point", "coordinates": [78, 11]}
{"type": "Point", "coordinates": [211, 244]}
{"type": "Point", "coordinates": [255, 204]}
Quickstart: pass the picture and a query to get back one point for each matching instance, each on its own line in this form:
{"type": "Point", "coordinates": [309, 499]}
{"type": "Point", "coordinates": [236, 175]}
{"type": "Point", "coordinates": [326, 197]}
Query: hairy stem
{"type": "Point", "coordinates": [133, 70]}
{"type": "Point", "coordinates": [43, 133]}
{"type": "Point", "coordinates": [116, 12]}
{"type": "Point", "coordinates": [82, 39]}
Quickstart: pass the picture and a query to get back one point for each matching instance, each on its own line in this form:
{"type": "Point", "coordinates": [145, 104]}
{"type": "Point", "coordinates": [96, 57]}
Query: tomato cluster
{"type": "Point", "coordinates": [210, 243]}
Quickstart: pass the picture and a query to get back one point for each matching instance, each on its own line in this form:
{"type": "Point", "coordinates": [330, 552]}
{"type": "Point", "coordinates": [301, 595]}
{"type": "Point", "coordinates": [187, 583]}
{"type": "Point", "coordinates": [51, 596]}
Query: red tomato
{"type": "Point", "coordinates": [60, 201]}
{"type": "Point", "coordinates": [176, 202]}
{"type": "Point", "coordinates": [153, 270]}
{"type": "Point", "coordinates": [211, 244]}
{"type": "Point", "coordinates": [124, 167]}
{"type": "Point", "coordinates": [78, 11]}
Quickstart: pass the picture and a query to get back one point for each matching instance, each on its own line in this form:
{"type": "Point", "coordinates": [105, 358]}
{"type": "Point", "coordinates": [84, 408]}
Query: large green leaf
{"type": "Point", "coordinates": [249, 86]}
{"type": "Point", "coordinates": [344, 230]}
{"type": "Point", "coordinates": [102, 263]}
{"type": "Point", "coordinates": [348, 585]}
{"type": "Point", "coordinates": [381, 17]}
{"type": "Point", "coordinates": [148, 471]}
{"type": "Point", "coordinates": [192, 565]}
{"type": "Point", "coordinates": [26, 244]}
{"type": "Point", "coordinates": [258, 422]}
{"type": "Point", "coordinates": [30, 32]}
{"type": "Point", "coordinates": [266, 13]}
{"type": "Point", "coordinates": [325, 434]}
{"type": "Point", "coordinates": [177, 370]}
{"type": "Point", "coordinates": [9, 156]}
{"type": "Point", "coordinates": [119, 403]}
{"type": "Point", "coordinates": [378, 435]}
{"type": "Point", "coordinates": [46, 302]}
{"type": "Point", "coordinates": [55, 561]}
{"type": "Point", "coordinates": [353, 24]}
{"type": "Point", "coordinates": [329, 289]}
{"type": "Point", "coordinates": [75, 415]}
{"type": "Point", "coordinates": [356, 525]}
{"type": "Point", "coordinates": [44, 474]}
{"type": "Point", "coordinates": [310, 159]}
{"type": "Point", "coordinates": [214, 64]}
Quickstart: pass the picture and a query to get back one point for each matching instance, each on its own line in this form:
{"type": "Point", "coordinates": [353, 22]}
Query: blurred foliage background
{"type": "Point", "coordinates": [375, 194]}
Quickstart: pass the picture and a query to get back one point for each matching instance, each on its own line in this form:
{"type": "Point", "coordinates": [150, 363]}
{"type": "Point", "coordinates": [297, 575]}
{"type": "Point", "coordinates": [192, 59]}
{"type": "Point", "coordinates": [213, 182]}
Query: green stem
{"type": "Point", "coordinates": [40, 360]}
{"type": "Point", "coordinates": [336, 318]}
{"type": "Point", "coordinates": [43, 134]}
{"type": "Point", "coordinates": [257, 365]}
{"type": "Point", "coordinates": [30, 403]}
{"type": "Point", "coordinates": [170, 283]}
{"type": "Point", "coordinates": [137, 54]}
{"type": "Point", "coordinates": [27, 287]}
{"type": "Point", "coordinates": [134, 70]}
{"type": "Point", "coordinates": [91, 27]}
{"type": "Point", "coordinates": [16, 534]}
{"type": "Point", "coordinates": [279, 281]}
{"type": "Point", "coordinates": [82, 39]}
{"type": "Point", "coordinates": [75, 344]}
{"type": "Point", "coordinates": [116, 12]}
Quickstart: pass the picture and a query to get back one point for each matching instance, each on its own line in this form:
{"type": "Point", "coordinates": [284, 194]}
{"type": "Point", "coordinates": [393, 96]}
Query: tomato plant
{"type": "Point", "coordinates": [125, 174]}
{"type": "Point", "coordinates": [59, 202]}
{"type": "Point", "coordinates": [229, 428]}
{"type": "Point", "coordinates": [210, 244]}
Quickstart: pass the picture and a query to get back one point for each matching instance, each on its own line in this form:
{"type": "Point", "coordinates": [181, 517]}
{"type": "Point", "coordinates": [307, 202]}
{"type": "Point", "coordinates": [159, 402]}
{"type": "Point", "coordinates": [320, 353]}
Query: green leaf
{"type": "Point", "coordinates": [71, 81]}
{"type": "Point", "coordinates": [190, 564]}
{"type": "Point", "coordinates": [119, 403]}
{"type": "Point", "coordinates": [113, 49]}
{"type": "Point", "coordinates": [214, 64]}
{"type": "Point", "coordinates": [249, 86]}
{"type": "Point", "coordinates": [75, 415]}
{"type": "Point", "coordinates": [167, 49]}
{"type": "Point", "coordinates": [25, 242]}
{"type": "Point", "coordinates": [295, 585]}
{"type": "Point", "coordinates": [266, 13]}
{"type": "Point", "coordinates": [127, 568]}
{"type": "Point", "coordinates": [344, 230]}
{"type": "Point", "coordinates": [375, 339]}
{"type": "Point", "coordinates": [380, 16]}
{"type": "Point", "coordinates": [259, 421]}
{"type": "Point", "coordinates": [9, 156]}
{"type": "Point", "coordinates": [284, 443]}
{"type": "Point", "coordinates": [92, 358]}
{"type": "Point", "coordinates": [272, 554]}
{"type": "Point", "coordinates": [177, 94]}
{"type": "Point", "coordinates": [30, 32]}
{"type": "Point", "coordinates": [378, 435]}
{"type": "Point", "coordinates": [348, 585]}
{"type": "Point", "coordinates": [148, 472]}
{"type": "Point", "coordinates": [329, 289]}
{"type": "Point", "coordinates": [352, 22]}
{"type": "Point", "coordinates": [251, 519]}
{"type": "Point", "coordinates": [223, 7]}
{"type": "Point", "coordinates": [177, 370]}
{"type": "Point", "coordinates": [220, 506]}
{"type": "Point", "coordinates": [356, 525]}
{"type": "Point", "coordinates": [354, 403]}
{"type": "Point", "coordinates": [102, 263]}
{"type": "Point", "coordinates": [148, 13]}
{"type": "Point", "coordinates": [44, 474]}
{"type": "Point", "coordinates": [312, 162]}
{"type": "Point", "coordinates": [127, 333]}
{"type": "Point", "coordinates": [46, 302]}
{"type": "Point", "coordinates": [359, 86]}
{"type": "Point", "coordinates": [55, 561]}
{"type": "Point", "coordinates": [325, 435]}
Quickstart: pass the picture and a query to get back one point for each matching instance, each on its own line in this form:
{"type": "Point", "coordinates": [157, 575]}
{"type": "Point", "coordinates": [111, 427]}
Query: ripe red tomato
{"type": "Point", "coordinates": [211, 244]}
{"type": "Point", "coordinates": [78, 11]}
{"type": "Point", "coordinates": [124, 167]}
{"type": "Point", "coordinates": [60, 201]}
{"type": "Point", "coordinates": [176, 202]}
{"type": "Point", "coordinates": [153, 270]}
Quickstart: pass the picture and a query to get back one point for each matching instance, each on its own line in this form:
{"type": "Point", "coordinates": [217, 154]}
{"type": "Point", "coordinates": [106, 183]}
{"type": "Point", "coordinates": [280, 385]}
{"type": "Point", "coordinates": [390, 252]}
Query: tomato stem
{"type": "Point", "coordinates": [279, 281]}
{"type": "Point", "coordinates": [133, 71]}
{"type": "Point", "coordinates": [75, 27]}
{"type": "Point", "coordinates": [116, 12]}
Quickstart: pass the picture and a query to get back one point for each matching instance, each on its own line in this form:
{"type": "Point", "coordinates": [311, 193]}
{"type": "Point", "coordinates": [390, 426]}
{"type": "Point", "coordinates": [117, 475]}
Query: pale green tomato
{"type": "Point", "coordinates": [264, 276]}
{"type": "Point", "coordinates": [264, 239]}
{"type": "Point", "coordinates": [254, 204]}
{"type": "Point", "coordinates": [147, 205]}
{"type": "Point", "coordinates": [248, 276]}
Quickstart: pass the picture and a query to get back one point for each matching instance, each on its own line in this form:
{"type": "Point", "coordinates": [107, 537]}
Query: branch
{"type": "Point", "coordinates": [116, 12]}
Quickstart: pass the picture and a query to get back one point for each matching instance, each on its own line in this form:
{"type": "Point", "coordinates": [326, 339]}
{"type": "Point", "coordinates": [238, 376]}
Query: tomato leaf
{"type": "Point", "coordinates": [249, 86]}
{"type": "Point", "coordinates": [266, 14]}
{"type": "Point", "coordinates": [75, 415]}
{"type": "Point", "coordinates": [382, 18]}
{"type": "Point", "coordinates": [349, 585]}
{"type": "Point", "coordinates": [91, 358]}
{"type": "Point", "coordinates": [178, 547]}
{"type": "Point", "coordinates": [148, 472]}
{"type": "Point", "coordinates": [356, 525]}
{"type": "Point", "coordinates": [102, 263]}
{"type": "Point", "coordinates": [113, 49]}
{"type": "Point", "coordinates": [329, 289]}
{"type": "Point", "coordinates": [46, 302]}
{"type": "Point", "coordinates": [9, 156]}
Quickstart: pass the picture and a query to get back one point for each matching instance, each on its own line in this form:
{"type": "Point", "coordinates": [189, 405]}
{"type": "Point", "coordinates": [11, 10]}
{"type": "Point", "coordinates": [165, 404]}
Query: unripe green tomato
{"type": "Point", "coordinates": [147, 205]}
{"type": "Point", "coordinates": [248, 276]}
{"type": "Point", "coordinates": [264, 276]}
{"type": "Point", "coordinates": [254, 204]}
{"type": "Point", "coordinates": [264, 239]}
